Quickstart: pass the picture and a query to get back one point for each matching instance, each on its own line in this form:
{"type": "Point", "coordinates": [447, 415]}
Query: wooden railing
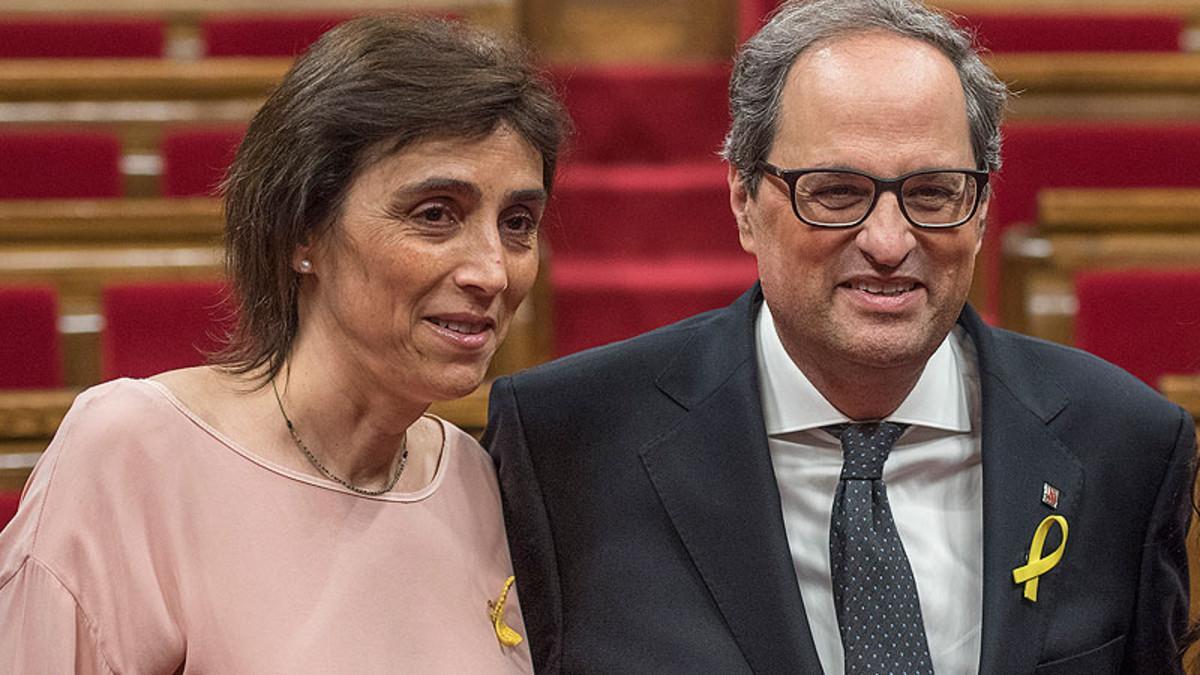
{"type": "Point", "coordinates": [1091, 229]}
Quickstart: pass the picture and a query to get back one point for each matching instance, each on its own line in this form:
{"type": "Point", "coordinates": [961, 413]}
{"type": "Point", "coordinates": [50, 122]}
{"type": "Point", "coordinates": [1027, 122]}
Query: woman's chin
{"type": "Point", "coordinates": [458, 382]}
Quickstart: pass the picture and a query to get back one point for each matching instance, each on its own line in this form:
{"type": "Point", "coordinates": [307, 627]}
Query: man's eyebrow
{"type": "Point", "coordinates": [533, 195]}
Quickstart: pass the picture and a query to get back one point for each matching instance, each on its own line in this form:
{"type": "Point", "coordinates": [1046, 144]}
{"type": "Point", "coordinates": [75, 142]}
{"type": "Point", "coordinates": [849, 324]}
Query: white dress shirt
{"type": "Point", "coordinates": [934, 484]}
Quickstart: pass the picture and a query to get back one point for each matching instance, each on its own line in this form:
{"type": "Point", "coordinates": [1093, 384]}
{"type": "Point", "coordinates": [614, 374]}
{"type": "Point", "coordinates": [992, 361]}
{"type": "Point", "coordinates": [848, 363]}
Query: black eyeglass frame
{"type": "Point", "coordinates": [892, 185]}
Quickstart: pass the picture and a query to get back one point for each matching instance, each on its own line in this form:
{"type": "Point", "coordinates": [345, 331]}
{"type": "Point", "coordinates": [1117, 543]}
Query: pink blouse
{"type": "Point", "coordinates": [147, 542]}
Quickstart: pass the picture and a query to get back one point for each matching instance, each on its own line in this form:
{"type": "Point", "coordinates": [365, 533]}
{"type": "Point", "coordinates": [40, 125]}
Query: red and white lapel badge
{"type": "Point", "coordinates": [1050, 495]}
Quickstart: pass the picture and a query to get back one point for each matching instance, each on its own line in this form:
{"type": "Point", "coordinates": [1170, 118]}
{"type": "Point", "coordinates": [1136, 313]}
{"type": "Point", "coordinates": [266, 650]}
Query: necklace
{"type": "Point", "coordinates": [329, 474]}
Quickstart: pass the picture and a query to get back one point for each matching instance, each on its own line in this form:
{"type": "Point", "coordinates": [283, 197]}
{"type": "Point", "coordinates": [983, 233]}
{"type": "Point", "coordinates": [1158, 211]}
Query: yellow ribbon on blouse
{"type": "Point", "coordinates": [1037, 566]}
{"type": "Point", "coordinates": [507, 636]}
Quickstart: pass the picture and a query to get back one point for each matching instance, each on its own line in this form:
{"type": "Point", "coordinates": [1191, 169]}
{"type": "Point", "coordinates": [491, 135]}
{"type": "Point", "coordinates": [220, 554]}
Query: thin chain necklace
{"type": "Point", "coordinates": [329, 474]}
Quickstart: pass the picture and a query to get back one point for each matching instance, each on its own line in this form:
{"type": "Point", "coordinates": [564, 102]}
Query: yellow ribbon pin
{"type": "Point", "coordinates": [1037, 566]}
{"type": "Point", "coordinates": [507, 636]}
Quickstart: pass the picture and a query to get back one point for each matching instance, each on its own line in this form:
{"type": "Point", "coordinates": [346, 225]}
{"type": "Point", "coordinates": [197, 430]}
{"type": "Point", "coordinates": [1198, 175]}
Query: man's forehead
{"type": "Point", "coordinates": [866, 52]}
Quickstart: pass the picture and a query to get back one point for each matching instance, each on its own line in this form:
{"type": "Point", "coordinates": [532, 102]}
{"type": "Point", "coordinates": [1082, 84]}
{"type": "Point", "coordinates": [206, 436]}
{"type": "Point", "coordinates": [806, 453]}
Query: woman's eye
{"type": "Point", "coordinates": [523, 224]}
{"type": "Point", "coordinates": [434, 214]}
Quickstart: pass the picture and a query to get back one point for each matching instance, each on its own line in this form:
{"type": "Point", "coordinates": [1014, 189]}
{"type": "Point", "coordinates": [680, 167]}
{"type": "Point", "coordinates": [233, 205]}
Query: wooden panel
{"type": "Point", "coordinates": [1184, 390]}
{"type": "Point", "coordinates": [1091, 229]}
{"type": "Point", "coordinates": [1039, 293]}
{"type": "Point", "coordinates": [132, 221]}
{"type": "Point", "coordinates": [29, 419]}
{"type": "Point", "coordinates": [598, 31]}
{"type": "Point", "coordinates": [139, 79]}
{"type": "Point", "coordinates": [1116, 210]}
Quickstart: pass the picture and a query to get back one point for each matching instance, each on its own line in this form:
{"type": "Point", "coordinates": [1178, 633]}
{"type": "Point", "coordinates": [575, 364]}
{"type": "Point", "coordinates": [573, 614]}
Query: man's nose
{"type": "Point", "coordinates": [886, 236]}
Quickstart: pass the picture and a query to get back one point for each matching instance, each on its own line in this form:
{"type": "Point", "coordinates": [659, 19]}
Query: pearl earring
{"type": "Point", "coordinates": [305, 265]}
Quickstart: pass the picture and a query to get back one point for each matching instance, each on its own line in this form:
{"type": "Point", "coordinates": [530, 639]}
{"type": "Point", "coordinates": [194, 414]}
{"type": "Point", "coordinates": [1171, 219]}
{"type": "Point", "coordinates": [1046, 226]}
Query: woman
{"type": "Point", "coordinates": [292, 508]}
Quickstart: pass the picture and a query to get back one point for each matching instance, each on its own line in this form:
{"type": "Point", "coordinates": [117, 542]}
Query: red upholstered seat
{"type": "Point", "coordinates": [195, 160]}
{"type": "Point", "coordinates": [30, 354]}
{"type": "Point", "coordinates": [264, 35]}
{"type": "Point", "coordinates": [1076, 32]}
{"type": "Point", "coordinates": [642, 210]}
{"type": "Point", "coordinates": [1058, 31]}
{"type": "Point", "coordinates": [599, 300]}
{"type": "Point", "coordinates": [80, 37]}
{"type": "Point", "coordinates": [59, 165]}
{"type": "Point", "coordinates": [633, 114]}
{"type": "Point", "coordinates": [8, 506]}
{"type": "Point", "coordinates": [1146, 321]}
{"type": "Point", "coordinates": [1092, 154]}
{"type": "Point", "coordinates": [149, 328]}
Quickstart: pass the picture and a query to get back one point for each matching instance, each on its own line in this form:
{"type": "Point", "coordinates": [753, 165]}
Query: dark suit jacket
{"type": "Point", "coordinates": [645, 524]}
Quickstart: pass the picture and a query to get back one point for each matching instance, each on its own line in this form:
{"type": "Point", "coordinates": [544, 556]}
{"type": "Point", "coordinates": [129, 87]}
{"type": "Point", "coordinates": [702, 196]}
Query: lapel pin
{"type": "Point", "coordinates": [505, 634]}
{"type": "Point", "coordinates": [1037, 566]}
{"type": "Point", "coordinates": [1050, 495]}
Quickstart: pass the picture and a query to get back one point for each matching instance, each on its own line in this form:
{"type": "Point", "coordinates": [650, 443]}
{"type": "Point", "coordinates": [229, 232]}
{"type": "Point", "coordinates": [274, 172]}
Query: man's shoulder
{"type": "Point", "coordinates": [1087, 381]}
{"type": "Point", "coordinates": [638, 358]}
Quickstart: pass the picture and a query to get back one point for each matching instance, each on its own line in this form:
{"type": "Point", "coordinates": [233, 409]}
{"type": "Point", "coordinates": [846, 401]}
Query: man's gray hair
{"type": "Point", "coordinates": [762, 65]}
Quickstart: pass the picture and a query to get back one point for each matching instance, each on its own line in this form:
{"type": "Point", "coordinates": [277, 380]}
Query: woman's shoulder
{"type": "Point", "coordinates": [116, 406]}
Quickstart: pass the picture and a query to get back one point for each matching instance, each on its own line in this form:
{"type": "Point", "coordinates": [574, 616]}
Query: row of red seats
{"type": "Point", "coordinates": [147, 328]}
{"type": "Point", "coordinates": [220, 35]}
{"type": "Point", "coordinates": [153, 327]}
{"type": "Point", "coordinates": [1042, 31]}
{"type": "Point", "coordinates": [623, 232]}
{"type": "Point", "coordinates": [270, 35]}
{"type": "Point", "coordinates": [79, 164]}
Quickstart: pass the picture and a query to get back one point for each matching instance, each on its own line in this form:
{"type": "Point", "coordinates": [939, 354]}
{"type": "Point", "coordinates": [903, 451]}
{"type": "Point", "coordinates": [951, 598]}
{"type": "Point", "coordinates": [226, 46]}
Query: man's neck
{"type": "Point", "coordinates": [860, 391]}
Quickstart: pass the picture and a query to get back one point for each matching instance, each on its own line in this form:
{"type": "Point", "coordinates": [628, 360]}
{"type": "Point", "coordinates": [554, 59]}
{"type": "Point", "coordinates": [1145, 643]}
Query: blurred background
{"type": "Point", "coordinates": [116, 126]}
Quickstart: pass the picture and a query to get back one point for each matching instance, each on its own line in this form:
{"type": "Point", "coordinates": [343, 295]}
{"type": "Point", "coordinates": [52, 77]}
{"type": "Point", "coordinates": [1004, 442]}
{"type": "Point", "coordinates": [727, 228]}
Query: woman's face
{"type": "Point", "coordinates": [413, 287]}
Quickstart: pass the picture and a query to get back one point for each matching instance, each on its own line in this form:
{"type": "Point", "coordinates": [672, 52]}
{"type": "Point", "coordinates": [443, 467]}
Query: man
{"type": "Point", "coordinates": [846, 470]}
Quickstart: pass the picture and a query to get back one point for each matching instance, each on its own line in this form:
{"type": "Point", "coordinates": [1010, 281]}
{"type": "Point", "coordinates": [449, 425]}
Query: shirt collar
{"type": "Point", "coordinates": [791, 402]}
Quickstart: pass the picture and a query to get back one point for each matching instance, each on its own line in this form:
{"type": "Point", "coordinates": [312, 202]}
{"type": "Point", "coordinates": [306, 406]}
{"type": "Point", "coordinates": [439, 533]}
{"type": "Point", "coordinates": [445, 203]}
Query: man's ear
{"type": "Point", "coordinates": [741, 203]}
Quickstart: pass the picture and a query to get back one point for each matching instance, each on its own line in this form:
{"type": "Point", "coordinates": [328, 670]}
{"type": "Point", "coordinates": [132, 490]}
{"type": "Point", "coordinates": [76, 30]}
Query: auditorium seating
{"type": "Point", "coordinates": [152, 327]}
{"type": "Point", "coordinates": [640, 226]}
{"type": "Point", "coordinates": [1080, 230]}
{"type": "Point", "coordinates": [1061, 31]}
{"type": "Point", "coordinates": [1017, 29]}
{"type": "Point", "coordinates": [1038, 156]}
{"type": "Point", "coordinates": [195, 159]}
{"type": "Point", "coordinates": [645, 113]}
{"type": "Point", "coordinates": [264, 34]}
{"type": "Point", "coordinates": [8, 506]}
{"type": "Point", "coordinates": [30, 356]}
{"type": "Point", "coordinates": [74, 37]}
{"type": "Point", "coordinates": [59, 164]}
{"type": "Point", "coordinates": [1146, 321]}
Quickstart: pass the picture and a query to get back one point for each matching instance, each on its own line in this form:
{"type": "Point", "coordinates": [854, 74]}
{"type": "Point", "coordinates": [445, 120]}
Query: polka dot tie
{"type": "Point", "coordinates": [878, 613]}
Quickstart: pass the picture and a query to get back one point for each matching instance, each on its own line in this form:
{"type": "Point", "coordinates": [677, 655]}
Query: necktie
{"type": "Point", "coordinates": [878, 613]}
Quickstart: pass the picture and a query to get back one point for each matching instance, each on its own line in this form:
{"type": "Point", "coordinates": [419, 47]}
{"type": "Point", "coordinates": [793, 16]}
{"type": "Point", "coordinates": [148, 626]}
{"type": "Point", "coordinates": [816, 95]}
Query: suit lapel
{"type": "Point", "coordinates": [713, 473]}
{"type": "Point", "coordinates": [1020, 455]}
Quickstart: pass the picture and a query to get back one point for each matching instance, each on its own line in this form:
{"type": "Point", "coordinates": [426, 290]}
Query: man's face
{"type": "Point", "coordinates": [885, 293]}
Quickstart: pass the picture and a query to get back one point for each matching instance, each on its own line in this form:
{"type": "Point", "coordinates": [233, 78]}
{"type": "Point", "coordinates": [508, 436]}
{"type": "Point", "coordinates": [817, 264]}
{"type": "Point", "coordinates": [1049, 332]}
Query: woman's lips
{"type": "Point", "coordinates": [464, 332]}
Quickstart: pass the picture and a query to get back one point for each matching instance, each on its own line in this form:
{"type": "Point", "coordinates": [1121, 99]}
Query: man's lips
{"type": "Point", "coordinates": [890, 287]}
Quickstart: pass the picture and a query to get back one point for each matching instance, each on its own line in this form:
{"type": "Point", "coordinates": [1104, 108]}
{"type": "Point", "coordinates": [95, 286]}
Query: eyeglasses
{"type": "Point", "coordinates": [938, 198]}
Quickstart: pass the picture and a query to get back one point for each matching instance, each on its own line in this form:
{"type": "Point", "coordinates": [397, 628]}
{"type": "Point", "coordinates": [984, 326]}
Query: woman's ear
{"type": "Point", "coordinates": [302, 262]}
